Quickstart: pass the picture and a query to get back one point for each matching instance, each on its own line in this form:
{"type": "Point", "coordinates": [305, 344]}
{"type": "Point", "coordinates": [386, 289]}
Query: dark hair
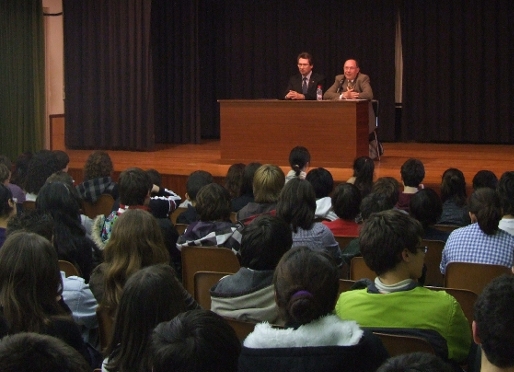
{"type": "Point", "coordinates": [506, 192]}
{"type": "Point", "coordinates": [264, 242]}
{"type": "Point", "coordinates": [306, 285]}
{"type": "Point", "coordinates": [415, 362]}
{"type": "Point", "coordinates": [27, 352]}
{"type": "Point", "coordinates": [453, 186]}
{"type": "Point", "coordinates": [346, 201]}
{"type": "Point", "coordinates": [19, 173]}
{"type": "Point", "coordinates": [389, 187]}
{"type": "Point", "coordinates": [196, 181]}
{"type": "Point", "coordinates": [30, 282]}
{"type": "Point", "coordinates": [248, 174]}
{"type": "Point", "coordinates": [495, 320]}
{"type": "Point", "coordinates": [374, 203]}
{"type": "Point", "coordinates": [384, 236]}
{"type": "Point", "coordinates": [363, 171]}
{"type": "Point", "coordinates": [234, 179]}
{"type": "Point", "coordinates": [134, 185]}
{"type": "Point", "coordinates": [484, 203]}
{"type": "Point", "coordinates": [213, 203]}
{"type": "Point", "coordinates": [412, 172]}
{"type": "Point", "coordinates": [62, 159]}
{"type": "Point", "coordinates": [4, 173]}
{"type": "Point", "coordinates": [5, 197]}
{"type": "Point", "coordinates": [98, 165]}
{"type": "Point", "coordinates": [268, 181]}
{"type": "Point", "coordinates": [485, 178]}
{"type": "Point", "coordinates": [298, 159]}
{"type": "Point", "coordinates": [297, 204]}
{"type": "Point", "coordinates": [34, 221]}
{"type": "Point", "coordinates": [195, 341]}
{"type": "Point", "coordinates": [65, 177]}
{"type": "Point", "coordinates": [41, 166]}
{"type": "Point", "coordinates": [155, 176]}
{"type": "Point", "coordinates": [426, 207]}
{"type": "Point", "coordinates": [322, 181]}
{"type": "Point", "coordinates": [304, 55]}
{"type": "Point", "coordinates": [6, 161]}
{"type": "Point", "coordinates": [151, 296]}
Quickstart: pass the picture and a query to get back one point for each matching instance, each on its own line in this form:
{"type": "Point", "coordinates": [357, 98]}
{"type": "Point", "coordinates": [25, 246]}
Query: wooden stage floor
{"type": "Point", "coordinates": [177, 161]}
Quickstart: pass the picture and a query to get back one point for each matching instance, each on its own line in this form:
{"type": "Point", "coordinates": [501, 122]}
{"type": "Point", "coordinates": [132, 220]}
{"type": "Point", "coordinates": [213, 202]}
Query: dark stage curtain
{"type": "Point", "coordinates": [458, 71]}
{"type": "Point", "coordinates": [108, 74]}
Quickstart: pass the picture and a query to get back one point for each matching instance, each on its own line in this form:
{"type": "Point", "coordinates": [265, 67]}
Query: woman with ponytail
{"type": "Point", "coordinates": [453, 196]}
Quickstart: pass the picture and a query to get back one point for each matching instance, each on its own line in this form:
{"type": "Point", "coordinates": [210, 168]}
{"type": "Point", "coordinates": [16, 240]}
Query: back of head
{"type": "Point", "coordinates": [494, 321]}
{"type": "Point", "coordinates": [151, 296]}
{"type": "Point", "coordinates": [62, 159]}
{"type": "Point", "coordinates": [299, 157]}
{"type": "Point", "coordinates": [374, 203]}
{"type": "Point", "coordinates": [363, 171]}
{"type": "Point", "coordinates": [34, 221]}
{"type": "Point", "coordinates": [484, 203]}
{"type": "Point", "coordinates": [234, 179]}
{"type": "Point", "coordinates": [412, 172]}
{"type": "Point", "coordinates": [213, 203]}
{"type": "Point", "coordinates": [196, 181]}
{"type": "Point", "coordinates": [19, 173]}
{"type": "Point", "coordinates": [426, 207]}
{"type": "Point", "coordinates": [346, 201]}
{"type": "Point", "coordinates": [453, 186]}
{"type": "Point", "coordinates": [389, 187]}
{"type": "Point", "coordinates": [58, 199]}
{"type": "Point", "coordinates": [268, 181]}
{"type": "Point", "coordinates": [41, 166]}
{"type": "Point", "coordinates": [384, 236]}
{"type": "Point", "coordinates": [306, 285]}
{"type": "Point", "coordinates": [5, 173]}
{"type": "Point", "coordinates": [415, 362]}
{"type": "Point", "coordinates": [506, 192]}
{"type": "Point", "coordinates": [98, 165]}
{"type": "Point", "coordinates": [155, 176]}
{"type": "Point", "coordinates": [6, 202]}
{"type": "Point", "coordinates": [485, 178]}
{"type": "Point", "coordinates": [22, 352]}
{"type": "Point", "coordinates": [297, 204]}
{"type": "Point", "coordinates": [248, 174]}
{"type": "Point", "coordinates": [264, 242]}
{"type": "Point", "coordinates": [322, 181]}
{"type": "Point", "coordinates": [195, 341]}
{"type": "Point", "coordinates": [134, 185]}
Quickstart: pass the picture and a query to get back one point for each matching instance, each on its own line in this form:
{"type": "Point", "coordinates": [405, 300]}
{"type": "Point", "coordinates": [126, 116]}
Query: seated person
{"type": "Point", "coordinates": [351, 84]}
{"type": "Point", "coordinates": [389, 187]}
{"type": "Point", "coordinates": [306, 286]}
{"type": "Point", "coordinates": [268, 181]}
{"type": "Point", "coordinates": [299, 160]}
{"type": "Point", "coordinates": [415, 362]}
{"type": "Point", "coordinates": [246, 194]}
{"type": "Point", "coordinates": [195, 182]}
{"type": "Point", "coordinates": [63, 160]}
{"type": "Point", "coordinates": [506, 194]}
{"type": "Point", "coordinates": [98, 171]}
{"type": "Point", "coordinates": [453, 196]}
{"type": "Point", "coordinates": [7, 210]}
{"type": "Point", "coordinates": [363, 173]}
{"type": "Point", "coordinates": [195, 341]}
{"type": "Point", "coordinates": [346, 201]}
{"type": "Point", "coordinates": [41, 166]}
{"type": "Point", "coordinates": [412, 173]}
{"type": "Point", "coordinates": [485, 178]}
{"type": "Point", "coordinates": [248, 294]}
{"type": "Point", "coordinates": [214, 227]}
{"type": "Point", "coordinates": [323, 183]}
{"type": "Point", "coordinates": [17, 192]}
{"type": "Point", "coordinates": [305, 84]}
{"type": "Point", "coordinates": [482, 241]}
{"type": "Point", "coordinates": [426, 207]}
{"type": "Point", "coordinates": [394, 302]}
{"type": "Point", "coordinates": [234, 179]}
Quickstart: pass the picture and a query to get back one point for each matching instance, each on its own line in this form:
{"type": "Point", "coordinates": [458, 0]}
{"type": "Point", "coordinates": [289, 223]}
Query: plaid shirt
{"type": "Point", "coordinates": [221, 234]}
{"type": "Point", "coordinates": [91, 190]}
{"type": "Point", "coordinates": [471, 244]}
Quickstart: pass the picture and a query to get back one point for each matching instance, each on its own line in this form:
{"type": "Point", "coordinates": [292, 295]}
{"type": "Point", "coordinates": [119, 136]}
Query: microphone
{"type": "Point", "coordinates": [340, 89]}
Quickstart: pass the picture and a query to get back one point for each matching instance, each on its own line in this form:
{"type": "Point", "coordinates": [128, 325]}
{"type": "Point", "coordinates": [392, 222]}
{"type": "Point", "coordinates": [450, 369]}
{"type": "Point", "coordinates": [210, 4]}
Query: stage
{"type": "Point", "coordinates": [176, 162]}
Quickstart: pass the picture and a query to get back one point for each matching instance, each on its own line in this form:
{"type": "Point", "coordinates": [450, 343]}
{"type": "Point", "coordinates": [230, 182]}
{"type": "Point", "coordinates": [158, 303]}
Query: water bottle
{"type": "Point", "coordinates": [319, 93]}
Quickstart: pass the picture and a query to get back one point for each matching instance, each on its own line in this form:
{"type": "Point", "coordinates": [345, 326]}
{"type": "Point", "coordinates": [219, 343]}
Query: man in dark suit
{"type": "Point", "coordinates": [350, 85]}
{"type": "Point", "coordinates": [304, 85]}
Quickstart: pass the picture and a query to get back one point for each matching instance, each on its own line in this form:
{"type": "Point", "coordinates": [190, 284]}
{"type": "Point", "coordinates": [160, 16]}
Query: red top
{"type": "Point", "coordinates": [342, 227]}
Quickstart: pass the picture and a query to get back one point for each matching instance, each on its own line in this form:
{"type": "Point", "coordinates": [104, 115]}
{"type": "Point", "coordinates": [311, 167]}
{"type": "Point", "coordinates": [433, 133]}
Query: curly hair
{"type": "Point", "coordinates": [98, 165]}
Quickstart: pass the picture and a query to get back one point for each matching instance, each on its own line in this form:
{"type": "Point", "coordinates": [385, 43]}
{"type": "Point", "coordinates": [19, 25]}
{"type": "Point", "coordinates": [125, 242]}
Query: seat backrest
{"type": "Point", "coordinates": [181, 228]}
{"type": "Point", "coordinates": [206, 259]}
{"type": "Point", "coordinates": [203, 282]}
{"type": "Point", "coordinates": [464, 297]}
{"type": "Point", "coordinates": [241, 328]}
{"type": "Point", "coordinates": [447, 228]}
{"type": "Point", "coordinates": [402, 344]}
{"type": "Point", "coordinates": [472, 276]}
{"type": "Point", "coordinates": [359, 269]}
{"type": "Point", "coordinates": [343, 241]}
{"type": "Point", "coordinates": [68, 268]}
{"type": "Point", "coordinates": [28, 205]}
{"type": "Point", "coordinates": [105, 327]}
{"type": "Point", "coordinates": [432, 260]}
{"type": "Point", "coordinates": [233, 217]}
{"type": "Point", "coordinates": [175, 213]}
{"type": "Point", "coordinates": [103, 206]}
{"type": "Point", "coordinates": [345, 285]}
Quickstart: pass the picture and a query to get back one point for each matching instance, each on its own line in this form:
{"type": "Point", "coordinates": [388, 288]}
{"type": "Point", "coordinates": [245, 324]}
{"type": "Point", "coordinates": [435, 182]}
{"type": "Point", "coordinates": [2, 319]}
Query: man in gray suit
{"type": "Point", "coordinates": [350, 85]}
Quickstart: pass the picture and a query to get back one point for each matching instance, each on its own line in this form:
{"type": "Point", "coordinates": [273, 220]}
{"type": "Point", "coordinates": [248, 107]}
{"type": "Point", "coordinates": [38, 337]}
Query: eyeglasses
{"type": "Point", "coordinates": [424, 249]}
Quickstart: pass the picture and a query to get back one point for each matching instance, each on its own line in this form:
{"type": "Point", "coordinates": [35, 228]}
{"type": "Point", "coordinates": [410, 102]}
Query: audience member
{"type": "Point", "coordinates": [246, 195]}
{"type": "Point", "coordinates": [268, 181]}
{"type": "Point", "coordinates": [305, 84]}
{"type": "Point", "coordinates": [426, 207]}
{"type": "Point", "coordinates": [195, 341]}
{"type": "Point", "coordinates": [214, 227]}
{"type": "Point", "coordinates": [17, 192]}
{"type": "Point", "coordinates": [493, 325]}
{"type": "Point", "coordinates": [155, 177]}
{"type": "Point", "coordinates": [98, 171]}
{"type": "Point", "coordinates": [306, 287]}
{"type": "Point", "coordinates": [412, 173]}
{"type": "Point", "coordinates": [351, 84]}
{"type": "Point", "coordinates": [323, 183]}
{"type": "Point", "coordinates": [453, 196]}
{"type": "Point", "coordinates": [394, 302]}
{"type": "Point", "coordinates": [248, 294]}
{"type": "Point", "coordinates": [299, 160]}
{"type": "Point", "coordinates": [363, 173]}
{"type": "Point", "coordinates": [195, 182]}
{"type": "Point", "coordinates": [234, 180]}
{"type": "Point", "coordinates": [19, 173]}
{"type": "Point", "coordinates": [62, 160]}
{"type": "Point", "coordinates": [506, 194]}
{"type": "Point", "coordinates": [41, 166]}
{"type": "Point", "coordinates": [482, 241]}
{"type": "Point", "coordinates": [415, 362]}
{"type": "Point", "coordinates": [389, 187]}
{"type": "Point", "coordinates": [162, 200]}
{"type": "Point", "coordinates": [7, 210]}
{"type": "Point", "coordinates": [151, 296]}
{"type": "Point", "coordinates": [296, 206]}
{"type": "Point", "coordinates": [485, 178]}
{"type": "Point", "coordinates": [345, 202]}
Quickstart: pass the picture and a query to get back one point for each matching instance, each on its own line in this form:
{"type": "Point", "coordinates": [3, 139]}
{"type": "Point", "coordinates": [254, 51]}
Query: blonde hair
{"type": "Point", "coordinates": [268, 181]}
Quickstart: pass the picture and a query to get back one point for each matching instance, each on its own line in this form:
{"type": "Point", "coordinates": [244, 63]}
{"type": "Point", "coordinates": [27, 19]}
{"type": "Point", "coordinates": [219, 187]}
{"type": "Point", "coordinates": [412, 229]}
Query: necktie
{"type": "Point", "coordinates": [304, 86]}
